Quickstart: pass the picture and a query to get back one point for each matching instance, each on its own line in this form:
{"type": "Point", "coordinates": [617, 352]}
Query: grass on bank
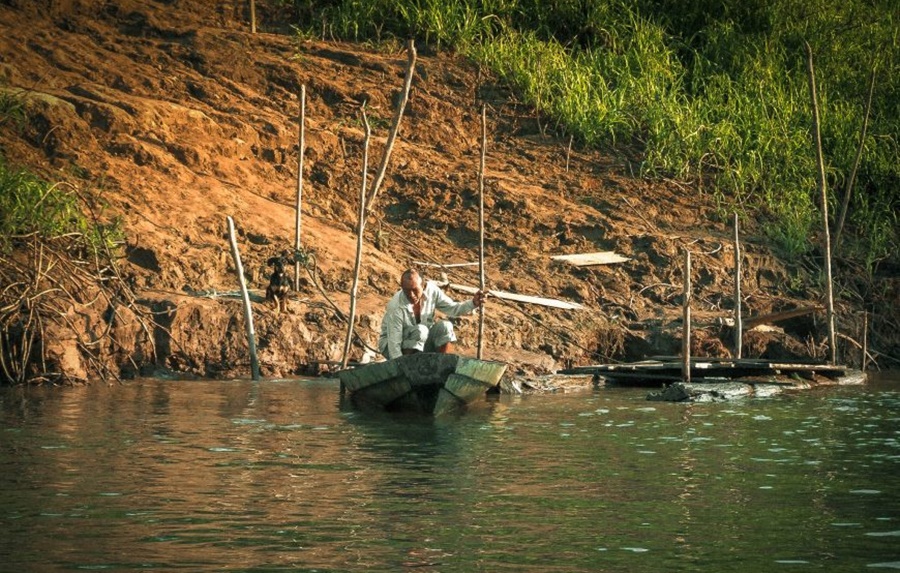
{"type": "Point", "coordinates": [31, 206]}
{"type": "Point", "coordinates": [710, 91]}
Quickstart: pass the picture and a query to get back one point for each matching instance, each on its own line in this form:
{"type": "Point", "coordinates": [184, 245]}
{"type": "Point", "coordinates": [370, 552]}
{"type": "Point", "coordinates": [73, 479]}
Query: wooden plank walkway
{"type": "Point", "coordinates": [669, 369]}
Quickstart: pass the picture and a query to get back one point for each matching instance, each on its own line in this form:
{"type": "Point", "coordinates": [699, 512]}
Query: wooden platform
{"type": "Point", "coordinates": [667, 369]}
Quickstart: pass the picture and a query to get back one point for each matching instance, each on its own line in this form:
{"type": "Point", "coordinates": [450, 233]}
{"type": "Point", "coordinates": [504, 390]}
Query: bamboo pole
{"type": "Point", "coordinates": [686, 336]}
{"type": "Point", "coordinates": [738, 320]}
{"type": "Point", "coordinates": [832, 343]}
{"type": "Point", "coordinates": [569, 151]}
{"type": "Point", "coordinates": [351, 318]}
{"type": "Point", "coordinates": [299, 204]}
{"type": "Point", "coordinates": [481, 281]}
{"type": "Point", "coordinates": [252, 16]}
{"type": "Point", "coordinates": [395, 126]}
{"type": "Point", "coordinates": [865, 343]}
{"type": "Point", "coordinates": [859, 151]}
{"type": "Point", "coordinates": [245, 298]}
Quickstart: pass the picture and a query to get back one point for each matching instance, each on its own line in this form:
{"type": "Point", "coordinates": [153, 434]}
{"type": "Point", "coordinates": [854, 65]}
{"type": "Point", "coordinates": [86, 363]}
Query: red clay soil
{"type": "Point", "coordinates": [175, 116]}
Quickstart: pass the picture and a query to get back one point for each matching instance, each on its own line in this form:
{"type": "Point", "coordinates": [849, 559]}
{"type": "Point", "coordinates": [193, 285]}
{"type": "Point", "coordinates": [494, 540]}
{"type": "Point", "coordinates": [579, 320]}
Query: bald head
{"type": "Point", "coordinates": [411, 284]}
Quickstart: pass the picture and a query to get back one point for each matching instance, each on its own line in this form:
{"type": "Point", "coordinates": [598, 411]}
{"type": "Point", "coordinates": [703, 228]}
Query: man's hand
{"type": "Point", "coordinates": [478, 299]}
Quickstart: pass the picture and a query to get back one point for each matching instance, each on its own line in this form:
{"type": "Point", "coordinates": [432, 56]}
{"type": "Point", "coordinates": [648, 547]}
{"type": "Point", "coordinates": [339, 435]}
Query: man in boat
{"type": "Point", "coordinates": [409, 326]}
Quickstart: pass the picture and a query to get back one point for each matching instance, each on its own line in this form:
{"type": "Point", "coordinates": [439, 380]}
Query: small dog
{"type": "Point", "coordinates": [279, 283]}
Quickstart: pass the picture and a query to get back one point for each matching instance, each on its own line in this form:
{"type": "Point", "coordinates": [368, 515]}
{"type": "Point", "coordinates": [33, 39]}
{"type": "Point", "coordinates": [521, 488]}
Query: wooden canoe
{"type": "Point", "coordinates": [425, 383]}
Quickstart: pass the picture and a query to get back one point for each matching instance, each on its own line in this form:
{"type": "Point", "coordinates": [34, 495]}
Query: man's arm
{"type": "Point", "coordinates": [450, 307]}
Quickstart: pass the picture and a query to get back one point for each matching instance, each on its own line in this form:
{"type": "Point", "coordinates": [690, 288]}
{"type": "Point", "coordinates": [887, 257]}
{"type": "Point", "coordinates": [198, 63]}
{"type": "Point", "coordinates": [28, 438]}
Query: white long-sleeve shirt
{"type": "Point", "coordinates": [399, 316]}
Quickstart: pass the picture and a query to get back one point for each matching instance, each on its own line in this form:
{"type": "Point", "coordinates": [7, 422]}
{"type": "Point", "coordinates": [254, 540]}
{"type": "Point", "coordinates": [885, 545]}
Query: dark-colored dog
{"type": "Point", "coordinates": [279, 283]}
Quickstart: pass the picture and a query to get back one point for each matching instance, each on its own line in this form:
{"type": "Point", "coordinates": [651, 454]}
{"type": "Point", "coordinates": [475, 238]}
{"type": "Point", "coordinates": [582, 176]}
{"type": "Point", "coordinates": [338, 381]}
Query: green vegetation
{"type": "Point", "coordinates": [12, 108]}
{"type": "Point", "coordinates": [30, 206]}
{"type": "Point", "coordinates": [708, 90]}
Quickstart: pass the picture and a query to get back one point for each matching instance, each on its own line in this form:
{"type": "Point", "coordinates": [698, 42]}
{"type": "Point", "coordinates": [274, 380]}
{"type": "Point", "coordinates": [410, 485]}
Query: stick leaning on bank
{"type": "Point", "coordinates": [481, 281]}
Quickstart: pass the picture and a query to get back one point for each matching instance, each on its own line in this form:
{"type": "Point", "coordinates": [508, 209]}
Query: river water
{"type": "Point", "coordinates": [277, 476]}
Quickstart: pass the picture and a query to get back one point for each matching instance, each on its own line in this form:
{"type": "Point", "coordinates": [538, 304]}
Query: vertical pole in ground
{"type": "Point", "coordinates": [481, 281]}
{"type": "Point", "coordinates": [245, 298]}
{"type": "Point", "coordinates": [865, 337]}
{"type": "Point", "coordinates": [686, 336]}
{"type": "Point", "coordinates": [357, 267]}
{"type": "Point", "coordinates": [299, 204]}
{"type": "Point", "coordinates": [252, 16]}
{"type": "Point", "coordinates": [738, 321]}
{"type": "Point", "coordinates": [817, 134]}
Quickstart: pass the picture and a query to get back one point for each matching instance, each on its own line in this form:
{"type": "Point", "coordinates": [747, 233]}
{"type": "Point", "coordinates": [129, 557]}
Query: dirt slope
{"type": "Point", "coordinates": [176, 116]}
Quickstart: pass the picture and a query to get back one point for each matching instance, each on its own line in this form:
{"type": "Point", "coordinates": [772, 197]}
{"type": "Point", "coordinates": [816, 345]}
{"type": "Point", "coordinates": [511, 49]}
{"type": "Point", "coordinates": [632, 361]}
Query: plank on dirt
{"type": "Point", "coordinates": [587, 259]}
{"type": "Point", "coordinates": [551, 302]}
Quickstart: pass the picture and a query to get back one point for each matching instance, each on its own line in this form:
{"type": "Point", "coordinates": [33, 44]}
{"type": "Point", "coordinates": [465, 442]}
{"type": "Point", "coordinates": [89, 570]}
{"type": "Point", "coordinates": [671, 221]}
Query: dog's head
{"type": "Point", "coordinates": [278, 263]}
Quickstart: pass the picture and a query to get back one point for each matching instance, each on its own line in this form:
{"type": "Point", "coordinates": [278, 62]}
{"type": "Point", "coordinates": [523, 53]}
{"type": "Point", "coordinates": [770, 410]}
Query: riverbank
{"type": "Point", "coordinates": [165, 121]}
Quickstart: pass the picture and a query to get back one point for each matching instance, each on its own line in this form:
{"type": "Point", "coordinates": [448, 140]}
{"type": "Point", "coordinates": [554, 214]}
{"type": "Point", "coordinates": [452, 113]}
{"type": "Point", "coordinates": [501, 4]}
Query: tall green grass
{"type": "Point", "coordinates": [31, 206]}
{"type": "Point", "coordinates": [711, 91]}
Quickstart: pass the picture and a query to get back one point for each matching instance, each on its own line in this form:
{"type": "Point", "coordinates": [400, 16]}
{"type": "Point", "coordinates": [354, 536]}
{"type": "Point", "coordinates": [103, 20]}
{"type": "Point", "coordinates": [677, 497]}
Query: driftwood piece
{"type": "Point", "coordinates": [588, 259]}
{"type": "Point", "coordinates": [551, 302]}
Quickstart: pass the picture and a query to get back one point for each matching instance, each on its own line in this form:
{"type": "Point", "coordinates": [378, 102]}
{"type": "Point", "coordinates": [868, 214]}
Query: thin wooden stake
{"type": "Point", "coordinates": [832, 343]}
{"type": "Point", "coordinates": [245, 297]}
{"type": "Point", "coordinates": [859, 152]}
{"type": "Point", "coordinates": [252, 16]}
{"type": "Point", "coordinates": [300, 186]}
{"type": "Point", "coordinates": [569, 151]}
{"type": "Point", "coordinates": [395, 126]}
{"type": "Point", "coordinates": [738, 320]}
{"type": "Point", "coordinates": [351, 318]}
{"type": "Point", "coordinates": [481, 281]}
{"type": "Point", "coordinates": [686, 336]}
{"type": "Point", "coordinates": [865, 344]}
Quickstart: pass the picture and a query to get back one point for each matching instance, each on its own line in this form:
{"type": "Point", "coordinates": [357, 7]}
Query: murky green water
{"type": "Point", "coordinates": [274, 476]}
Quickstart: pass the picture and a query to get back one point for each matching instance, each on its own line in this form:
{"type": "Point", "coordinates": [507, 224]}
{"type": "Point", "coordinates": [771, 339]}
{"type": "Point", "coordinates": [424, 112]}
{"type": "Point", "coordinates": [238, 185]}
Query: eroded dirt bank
{"type": "Point", "coordinates": [174, 116]}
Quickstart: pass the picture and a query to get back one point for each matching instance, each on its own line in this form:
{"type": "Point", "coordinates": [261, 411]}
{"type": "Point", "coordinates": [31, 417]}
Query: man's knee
{"type": "Point", "coordinates": [442, 333]}
{"type": "Point", "coordinates": [415, 338]}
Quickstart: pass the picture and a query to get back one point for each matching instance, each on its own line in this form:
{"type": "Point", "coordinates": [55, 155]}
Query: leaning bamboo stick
{"type": "Point", "coordinates": [395, 127]}
{"type": "Point", "coordinates": [686, 336]}
{"type": "Point", "coordinates": [859, 151]}
{"type": "Point", "coordinates": [351, 318]}
{"type": "Point", "coordinates": [481, 281]}
{"type": "Point", "coordinates": [299, 206]}
{"type": "Point", "coordinates": [738, 321]}
{"type": "Point", "coordinates": [865, 341]}
{"type": "Point", "coordinates": [832, 342]}
{"type": "Point", "coordinates": [245, 298]}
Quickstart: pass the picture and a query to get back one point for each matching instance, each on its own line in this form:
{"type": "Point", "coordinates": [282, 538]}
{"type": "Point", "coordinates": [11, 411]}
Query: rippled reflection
{"type": "Point", "coordinates": [277, 475]}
